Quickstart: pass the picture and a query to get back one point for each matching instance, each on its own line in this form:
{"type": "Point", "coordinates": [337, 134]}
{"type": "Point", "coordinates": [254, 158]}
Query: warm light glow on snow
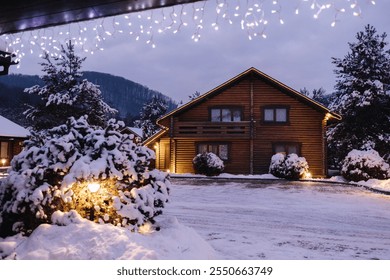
{"type": "Point", "coordinates": [307, 175]}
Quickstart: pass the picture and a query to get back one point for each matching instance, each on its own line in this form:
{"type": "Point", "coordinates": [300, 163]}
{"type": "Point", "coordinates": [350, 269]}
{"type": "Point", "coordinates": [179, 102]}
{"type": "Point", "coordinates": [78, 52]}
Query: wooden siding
{"type": "Point", "coordinates": [162, 154]}
{"type": "Point", "coordinates": [238, 150]}
{"type": "Point", "coordinates": [15, 146]}
{"type": "Point", "coordinates": [305, 126]}
{"type": "Point", "coordinates": [237, 95]}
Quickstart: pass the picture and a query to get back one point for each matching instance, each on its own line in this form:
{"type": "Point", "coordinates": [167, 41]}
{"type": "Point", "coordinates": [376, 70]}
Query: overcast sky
{"type": "Point", "coordinates": [297, 53]}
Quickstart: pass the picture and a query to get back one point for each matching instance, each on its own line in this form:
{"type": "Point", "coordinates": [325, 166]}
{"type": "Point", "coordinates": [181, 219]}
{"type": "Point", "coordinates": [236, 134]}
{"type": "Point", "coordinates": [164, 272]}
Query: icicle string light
{"type": "Point", "coordinates": [253, 16]}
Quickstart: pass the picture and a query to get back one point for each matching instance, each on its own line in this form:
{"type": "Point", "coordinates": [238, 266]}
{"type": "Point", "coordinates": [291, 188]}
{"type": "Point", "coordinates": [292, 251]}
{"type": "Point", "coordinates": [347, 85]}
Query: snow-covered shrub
{"type": "Point", "coordinates": [364, 165]}
{"type": "Point", "coordinates": [54, 170]}
{"type": "Point", "coordinates": [208, 164]}
{"type": "Point", "coordinates": [289, 167]}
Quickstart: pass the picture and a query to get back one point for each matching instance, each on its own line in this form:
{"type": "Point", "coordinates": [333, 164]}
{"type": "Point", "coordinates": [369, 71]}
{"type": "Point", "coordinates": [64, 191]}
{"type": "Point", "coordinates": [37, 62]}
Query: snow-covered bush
{"type": "Point", "coordinates": [208, 164]}
{"type": "Point", "coordinates": [55, 169]}
{"type": "Point", "coordinates": [364, 165]}
{"type": "Point", "coordinates": [289, 167]}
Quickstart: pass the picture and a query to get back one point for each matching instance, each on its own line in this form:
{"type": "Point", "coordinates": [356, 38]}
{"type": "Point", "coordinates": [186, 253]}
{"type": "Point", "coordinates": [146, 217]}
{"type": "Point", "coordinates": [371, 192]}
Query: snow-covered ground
{"type": "Point", "coordinates": [232, 218]}
{"type": "Point", "coordinates": [85, 240]}
{"type": "Point", "coordinates": [244, 219]}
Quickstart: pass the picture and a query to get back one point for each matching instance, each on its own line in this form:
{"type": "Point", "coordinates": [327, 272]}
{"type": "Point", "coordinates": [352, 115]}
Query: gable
{"type": "Point", "coordinates": [237, 91]}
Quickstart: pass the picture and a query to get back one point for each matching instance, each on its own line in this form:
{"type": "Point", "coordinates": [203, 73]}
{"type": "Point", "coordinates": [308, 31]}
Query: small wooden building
{"type": "Point", "coordinates": [244, 121]}
{"type": "Point", "coordinates": [12, 136]}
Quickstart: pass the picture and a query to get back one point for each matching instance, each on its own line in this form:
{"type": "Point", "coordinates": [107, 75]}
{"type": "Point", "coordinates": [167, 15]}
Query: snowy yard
{"type": "Point", "coordinates": [244, 219]}
{"type": "Point", "coordinates": [230, 218]}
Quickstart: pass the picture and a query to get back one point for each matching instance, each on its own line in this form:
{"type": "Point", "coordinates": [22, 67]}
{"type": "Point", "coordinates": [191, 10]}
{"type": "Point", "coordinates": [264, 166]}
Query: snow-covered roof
{"type": "Point", "coordinates": [11, 129]}
{"type": "Point", "coordinates": [133, 130]}
{"type": "Point", "coordinates": [137, 131]}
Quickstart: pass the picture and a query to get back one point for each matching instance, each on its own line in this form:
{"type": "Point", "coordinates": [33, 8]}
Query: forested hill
{"type": "Point", "coordinates": [124, 95]}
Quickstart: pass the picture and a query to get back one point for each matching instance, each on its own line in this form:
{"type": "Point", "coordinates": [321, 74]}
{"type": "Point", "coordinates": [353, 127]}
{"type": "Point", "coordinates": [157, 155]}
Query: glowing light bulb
{"type": "Point", "coordinates": [93, 187]}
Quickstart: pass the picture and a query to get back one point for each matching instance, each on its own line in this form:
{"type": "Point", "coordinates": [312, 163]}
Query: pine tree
{"type": "Point", "coordinates": [65, 94]}
{"type": "Point", "coordinates": [362, 97]}
{"type": "Point", "coordinates": [318, 95]}
{"type": "Point", "coordinates": [150, 113]}
{"type": "Point", "coordinates": [193, 96]}
{"type": "Point", "coordinates": [52, 174]}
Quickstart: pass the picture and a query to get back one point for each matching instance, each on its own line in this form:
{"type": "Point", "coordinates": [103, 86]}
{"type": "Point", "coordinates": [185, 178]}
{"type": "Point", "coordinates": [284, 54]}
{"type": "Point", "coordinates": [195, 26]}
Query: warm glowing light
{"type": "Point", "coordinates": [3, 161]}
{"type": "Point", "coordinates": [252, 16]}
{"type": "Point", "coordinates": [93, 187]}
{"type": "Point", "coordinates": [168, 171]}
{"type": "Point", "coordinates": [328, 116]}
{"type": "Point", "coordinates": [307, 175]}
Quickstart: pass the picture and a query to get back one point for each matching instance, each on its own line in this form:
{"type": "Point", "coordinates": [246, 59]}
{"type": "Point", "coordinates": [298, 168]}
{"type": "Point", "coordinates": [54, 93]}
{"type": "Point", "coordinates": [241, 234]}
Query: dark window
{"type": "Point", "coordinates": [287, 148]}
{"type": "Point", "coordinates": [232, 114]}
{"type": "Point", "coordinates": [275, 114]}
{"type": "Point", "coordinates": [220, 149]}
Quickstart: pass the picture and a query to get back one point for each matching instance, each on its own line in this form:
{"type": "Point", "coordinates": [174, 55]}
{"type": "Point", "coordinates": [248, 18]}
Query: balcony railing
{"type": "Point", "coordinates": [212, 129]}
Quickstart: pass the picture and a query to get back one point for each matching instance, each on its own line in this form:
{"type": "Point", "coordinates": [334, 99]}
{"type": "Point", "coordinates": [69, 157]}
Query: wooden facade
{"type": "Point", "coordinates": [247, 120]}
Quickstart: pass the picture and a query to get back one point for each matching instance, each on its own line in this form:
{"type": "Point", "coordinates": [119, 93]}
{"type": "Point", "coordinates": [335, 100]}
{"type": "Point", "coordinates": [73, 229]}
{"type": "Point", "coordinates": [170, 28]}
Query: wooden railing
{"type": "Point", "coordinates": [212, 129]}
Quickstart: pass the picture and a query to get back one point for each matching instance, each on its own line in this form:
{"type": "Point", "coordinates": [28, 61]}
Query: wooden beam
{"type": "Point", "coordinates": [24, 15]}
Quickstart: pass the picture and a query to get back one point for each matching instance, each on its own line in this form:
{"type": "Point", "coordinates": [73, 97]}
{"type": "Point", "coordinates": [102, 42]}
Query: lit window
{"type": "Point", "coordinates": [226, 114]}
{"type": "Point", "coordinates": [220, 149]}
{"type": "Point", "coordinates": [286, 148]}
{"type": "Point", "coordinates": [275, 115]}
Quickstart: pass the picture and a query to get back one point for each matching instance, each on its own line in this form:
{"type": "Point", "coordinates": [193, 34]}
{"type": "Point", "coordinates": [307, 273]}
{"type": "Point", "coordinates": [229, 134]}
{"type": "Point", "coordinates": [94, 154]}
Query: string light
{"type": "Point", "coordinates": [253, 16]}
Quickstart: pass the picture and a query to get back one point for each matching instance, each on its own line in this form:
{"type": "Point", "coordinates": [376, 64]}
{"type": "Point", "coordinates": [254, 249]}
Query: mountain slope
{"type": "Point", "coordinates": [124, 95]}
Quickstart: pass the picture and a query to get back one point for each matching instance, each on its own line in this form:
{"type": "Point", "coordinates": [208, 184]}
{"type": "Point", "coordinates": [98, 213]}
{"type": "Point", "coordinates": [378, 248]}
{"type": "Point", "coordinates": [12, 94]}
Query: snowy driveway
{"type": "Point", "coordinates": [284, 220]}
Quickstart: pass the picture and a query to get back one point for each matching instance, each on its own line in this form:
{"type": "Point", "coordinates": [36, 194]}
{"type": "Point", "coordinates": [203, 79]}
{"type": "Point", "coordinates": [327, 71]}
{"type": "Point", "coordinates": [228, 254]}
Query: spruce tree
{"type": "Point", "coordinates": [65, 94]}
{"type": "Point", "coordinates": [362, 97]}
{"type": "Point", "coordinates": [150, 113]}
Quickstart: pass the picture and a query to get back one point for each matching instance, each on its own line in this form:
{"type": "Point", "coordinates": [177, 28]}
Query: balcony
{"type": "Point", "coordinates": [212, 129]}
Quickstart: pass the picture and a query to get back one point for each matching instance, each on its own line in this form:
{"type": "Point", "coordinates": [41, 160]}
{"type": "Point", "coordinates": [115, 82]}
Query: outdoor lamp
{"type": "Point", "coordinates": [93, 187]}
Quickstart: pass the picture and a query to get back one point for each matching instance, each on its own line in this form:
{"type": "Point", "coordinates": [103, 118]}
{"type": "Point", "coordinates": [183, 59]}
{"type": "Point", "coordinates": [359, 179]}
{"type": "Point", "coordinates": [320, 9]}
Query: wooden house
{"type": "Point", "coordinates": [12, 136]}
{"type": "Point", "coordinates": [136, 132]}
{"type": "Point", "coordinates": [244, 121]}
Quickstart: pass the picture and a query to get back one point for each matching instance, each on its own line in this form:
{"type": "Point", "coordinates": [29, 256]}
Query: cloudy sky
{"type": "Point", "coordinates": [297, 53]}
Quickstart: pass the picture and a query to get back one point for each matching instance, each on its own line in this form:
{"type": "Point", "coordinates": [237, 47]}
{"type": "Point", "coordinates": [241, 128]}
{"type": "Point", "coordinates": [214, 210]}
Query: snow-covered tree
{"type": "Point", "coordinates": [65, 94]}
{"type": "Point", "coordinates": [318, 95]}
{"type": "Point", "coordinates": [150, 113]}
{"type": "Point", "coordinates": [362, 97]}
{"type": "Point", "coordinates": [99, 173]}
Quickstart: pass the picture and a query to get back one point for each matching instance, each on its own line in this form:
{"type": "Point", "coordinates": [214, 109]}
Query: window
{"type": "Point", "coordinates": [226, 114]}
{"type": "Point", "coordinates": [287, 148]}
{"type": "Point", "coordinates": [275, 115]}
{"type": "Point", "coordinates": [220, 149]}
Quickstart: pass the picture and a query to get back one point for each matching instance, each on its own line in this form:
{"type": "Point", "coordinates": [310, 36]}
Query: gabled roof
{"type": "Point", "coordinates": [133, 130]}
{"type": "Point", "coordinates": [253, 71]}
{"type": "Point", "coordinates": [155, 136]}
{"type": "Point", "coordinates": [11, 129]}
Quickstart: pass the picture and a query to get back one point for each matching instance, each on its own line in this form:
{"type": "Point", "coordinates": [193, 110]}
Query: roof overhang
{"type": "Point", "coordinates": [24, 15]}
